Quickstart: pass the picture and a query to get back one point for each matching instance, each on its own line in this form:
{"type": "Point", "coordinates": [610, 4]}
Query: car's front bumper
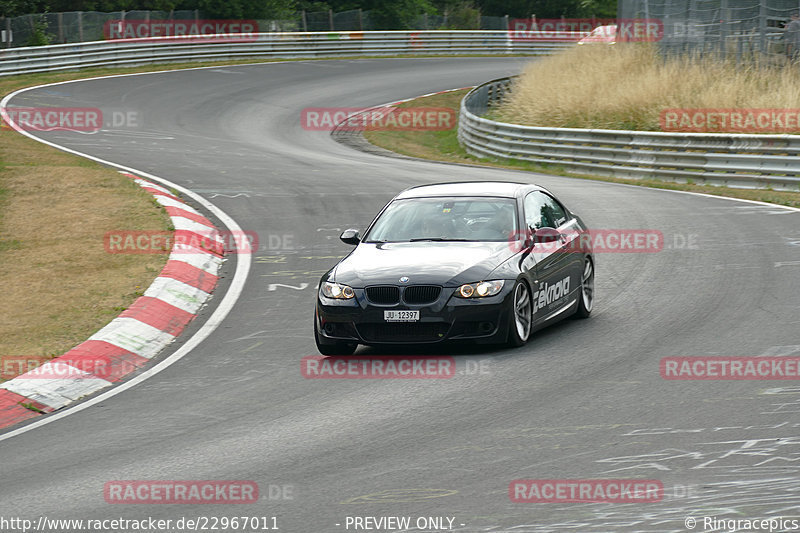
{"type": "Point", "coordinates": [448, 318]}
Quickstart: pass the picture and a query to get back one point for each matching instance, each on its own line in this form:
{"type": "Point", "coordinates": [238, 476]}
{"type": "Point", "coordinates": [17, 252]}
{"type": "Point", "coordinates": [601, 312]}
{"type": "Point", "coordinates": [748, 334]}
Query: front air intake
{"type": "Point", "coordinates": [383, 295]}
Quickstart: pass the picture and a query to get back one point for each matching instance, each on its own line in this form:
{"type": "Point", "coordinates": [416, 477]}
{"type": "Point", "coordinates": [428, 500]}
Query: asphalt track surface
{"type": "Point", "coordinates": [582, 400]}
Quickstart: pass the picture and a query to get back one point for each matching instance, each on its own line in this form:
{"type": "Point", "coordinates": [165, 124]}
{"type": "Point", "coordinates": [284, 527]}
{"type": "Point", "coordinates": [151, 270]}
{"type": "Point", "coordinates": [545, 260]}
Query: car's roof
{"type": "Point", "coordinates": [505, 189]}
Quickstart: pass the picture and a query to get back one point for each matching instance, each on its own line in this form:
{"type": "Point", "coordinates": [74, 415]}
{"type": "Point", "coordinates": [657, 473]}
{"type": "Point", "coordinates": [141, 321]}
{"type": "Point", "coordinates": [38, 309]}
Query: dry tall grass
{"type": "Point", "coordinates": [627, 87]}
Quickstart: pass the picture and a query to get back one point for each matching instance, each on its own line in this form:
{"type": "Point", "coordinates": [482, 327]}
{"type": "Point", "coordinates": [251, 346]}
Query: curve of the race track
{"type": "Point", "coordinates": [583, 399]}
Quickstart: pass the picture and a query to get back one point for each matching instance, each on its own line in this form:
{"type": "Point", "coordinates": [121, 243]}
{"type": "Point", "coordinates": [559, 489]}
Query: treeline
{"type": "Point", "coordinates": [395, 11]}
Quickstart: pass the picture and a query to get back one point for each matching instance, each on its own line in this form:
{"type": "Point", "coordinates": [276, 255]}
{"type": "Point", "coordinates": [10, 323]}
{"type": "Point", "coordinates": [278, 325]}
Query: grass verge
{"type": "Point", "coordinates": [444, 146]}
{"type": "Point", "coordinates": [59, 284]}
{"type": "Point", "coordinates": [634, 87]}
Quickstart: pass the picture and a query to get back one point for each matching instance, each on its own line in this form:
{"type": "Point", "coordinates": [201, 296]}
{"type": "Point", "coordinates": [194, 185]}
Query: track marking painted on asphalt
{"type": "Point", "coordinates": [243, 263]}
{"type": "Point", "coordinates": [274, 286]}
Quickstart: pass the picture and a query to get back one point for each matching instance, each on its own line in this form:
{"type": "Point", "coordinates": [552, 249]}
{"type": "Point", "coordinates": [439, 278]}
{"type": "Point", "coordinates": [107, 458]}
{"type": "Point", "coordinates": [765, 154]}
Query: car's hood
{"type": "Point", "coordinates": [439, 263]}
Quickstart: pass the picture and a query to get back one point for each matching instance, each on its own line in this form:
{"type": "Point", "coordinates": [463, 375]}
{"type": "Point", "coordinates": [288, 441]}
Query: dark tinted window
{"type": "Point", "coordinates": [452, 218]}
{"type": "Point", "coordinates": [543, 211]}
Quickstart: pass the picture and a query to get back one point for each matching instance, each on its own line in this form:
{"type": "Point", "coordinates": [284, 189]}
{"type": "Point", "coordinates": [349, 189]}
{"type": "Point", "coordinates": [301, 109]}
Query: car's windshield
{"type": "Point", "coordinates": [446, 219]}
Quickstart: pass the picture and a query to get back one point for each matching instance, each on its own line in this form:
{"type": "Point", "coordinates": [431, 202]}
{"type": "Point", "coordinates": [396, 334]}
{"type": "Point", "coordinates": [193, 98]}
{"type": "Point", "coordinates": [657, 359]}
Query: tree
{"type": "Point", "coordinates": [461, 15]}
{"type": "Point", "coordinates": [396, 14]}
{"type": "Point", "coordinates": [15, 8]}
{"type": "Point", "coordinates": [549, 8]}
{"type": "Point", "coordinates": [246, 9]}
{"type": "Point", "coordinates": [39, 35]}
{"type": "Point", "coordinates": [599, 8]}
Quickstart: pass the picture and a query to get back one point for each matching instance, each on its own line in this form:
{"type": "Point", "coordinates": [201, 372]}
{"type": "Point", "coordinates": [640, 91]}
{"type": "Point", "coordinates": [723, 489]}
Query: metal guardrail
{"type": "Point", "coordinates": [733, 160]}
{"type": "Point", "coordinates": [130, 52]}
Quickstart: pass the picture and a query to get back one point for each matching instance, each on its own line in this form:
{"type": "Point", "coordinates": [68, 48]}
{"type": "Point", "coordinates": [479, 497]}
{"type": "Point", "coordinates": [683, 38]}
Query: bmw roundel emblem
{"type": "Point", "coordinates": [404, 279]}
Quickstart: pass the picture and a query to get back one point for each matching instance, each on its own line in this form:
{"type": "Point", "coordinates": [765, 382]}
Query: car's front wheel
{"type": "Point", "coordinates": [521, 315]}
{"type": "Point", "coordinates": [332, 348]}
{"type": "Point", "coordinates": [586, 296]}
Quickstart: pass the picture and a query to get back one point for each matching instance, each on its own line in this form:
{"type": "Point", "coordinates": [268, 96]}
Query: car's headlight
{"type": "Point", "coordinates": [337, 291]}
{"type": "Point", "coordinates": [479, 290]}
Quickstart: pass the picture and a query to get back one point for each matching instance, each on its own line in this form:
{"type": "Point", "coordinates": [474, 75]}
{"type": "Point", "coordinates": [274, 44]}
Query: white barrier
{"type": "Point", "coordinates": [129, 52]}
{"type": "Point", "coordinates": [733, 160]}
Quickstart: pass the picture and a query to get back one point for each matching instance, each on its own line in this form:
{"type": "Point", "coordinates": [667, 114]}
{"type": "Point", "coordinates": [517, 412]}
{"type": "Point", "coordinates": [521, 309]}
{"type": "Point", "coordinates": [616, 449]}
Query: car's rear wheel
{"type": "Point", "coordinates": [521, 315]}
{"type": "Point", "coordinates": [332, 348]}
{"type": "Point", "coordinates": [586, 297]}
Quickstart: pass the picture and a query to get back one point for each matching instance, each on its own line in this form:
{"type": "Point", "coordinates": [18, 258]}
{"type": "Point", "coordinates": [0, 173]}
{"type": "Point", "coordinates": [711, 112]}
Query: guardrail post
{"type": "Point", "coordinates": [305, 24]}
{"type": "Point", "coordinates": [360, 21]}
{"type": "Point", "coordinates": [762, 26]}
{"type": "Point", "coordinates": [509, 44]}
{"type": "Point", "coordinates": [330, 18]}
{"type": "Point", "coordinates": [739, 48]}
{"type": "Point", "coordinates": [723, 27]}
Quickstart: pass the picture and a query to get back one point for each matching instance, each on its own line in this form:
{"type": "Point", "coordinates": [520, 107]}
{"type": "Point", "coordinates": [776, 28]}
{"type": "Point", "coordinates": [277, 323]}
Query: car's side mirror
{"type": "Point", "coordinates": [546, 235]}
{"type": "Point", "coordinates": [350, 236]}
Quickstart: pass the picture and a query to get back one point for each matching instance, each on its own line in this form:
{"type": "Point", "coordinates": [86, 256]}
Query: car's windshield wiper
{"type": "Point", "coordinates": [440, 239]}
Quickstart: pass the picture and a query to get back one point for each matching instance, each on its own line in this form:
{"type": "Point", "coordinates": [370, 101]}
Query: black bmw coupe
{"type": "Point", "coordinates": [487, 262]}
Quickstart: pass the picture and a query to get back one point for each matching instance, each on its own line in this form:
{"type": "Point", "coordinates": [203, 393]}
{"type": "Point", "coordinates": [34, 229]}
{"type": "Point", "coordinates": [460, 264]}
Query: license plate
{"type": "Point", "coordinates": [401, 316]}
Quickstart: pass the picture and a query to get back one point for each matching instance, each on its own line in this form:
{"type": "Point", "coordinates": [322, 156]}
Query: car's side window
{"type": "Point", "coordinates": [533, 210]}
{"type": "Point", "coordinates": [543, 211]}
